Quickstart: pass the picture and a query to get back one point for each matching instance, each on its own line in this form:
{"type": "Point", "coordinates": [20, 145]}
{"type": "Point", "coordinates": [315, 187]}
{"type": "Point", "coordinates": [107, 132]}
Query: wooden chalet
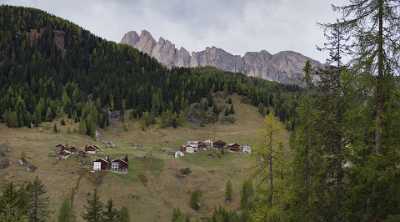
{"type": "Point", "coordinates": [72, 149]}
{"type": "Point", "coordinates": [246, 148]}
{"type": "Point", "coordinates": [63, 154]}
{"type": "Point", "coordinates": [202, 145]}
{"type": "Point", "coordinates": [91, 149]}
{"type": "Point", "coordinates": [234, 147]}
{"type": "Point", "coordinates": [61, 146]}
{"type": "Point", "coordinates": [219, 144]}
{"type": "Point", "coordinates": [120, 165]}
{"type": "Point", "coordinates": [82, 153]}
{"type": "Point", "coordinates": [101, 164]}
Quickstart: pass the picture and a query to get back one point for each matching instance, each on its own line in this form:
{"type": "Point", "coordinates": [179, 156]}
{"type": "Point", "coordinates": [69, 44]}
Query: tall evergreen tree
{"type": "Point", "coordinates": [110, 214]}
{"type": "Point", "coordinates": [375, 27]}
{"type": "Point", "coordinates": [13, 204]}
{"type": "Point", "coordinates": [94, 208]}
{"type": "Point", "coordinates": [38, 201]}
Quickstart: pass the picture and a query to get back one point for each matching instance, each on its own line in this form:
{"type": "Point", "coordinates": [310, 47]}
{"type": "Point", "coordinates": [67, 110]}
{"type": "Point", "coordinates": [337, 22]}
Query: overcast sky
{"type": "Point", "coordinates": [237, 26]}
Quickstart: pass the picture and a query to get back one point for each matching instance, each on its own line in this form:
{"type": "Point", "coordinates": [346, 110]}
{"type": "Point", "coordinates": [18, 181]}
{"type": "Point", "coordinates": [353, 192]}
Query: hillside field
{"type": "Point", "coordinates": [153, 187]}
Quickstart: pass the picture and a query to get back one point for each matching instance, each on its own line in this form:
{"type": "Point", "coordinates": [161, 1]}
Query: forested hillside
{"type": "Point", "coordinates": [49, 66]}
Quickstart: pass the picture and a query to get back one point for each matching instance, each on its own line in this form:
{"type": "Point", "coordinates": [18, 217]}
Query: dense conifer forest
{"type": "Point", "coordinates": [49, 66]}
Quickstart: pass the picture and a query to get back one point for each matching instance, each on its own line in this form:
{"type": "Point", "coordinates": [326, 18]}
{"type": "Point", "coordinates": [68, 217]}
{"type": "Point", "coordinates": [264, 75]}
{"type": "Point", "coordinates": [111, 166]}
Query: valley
{"type": "Point", "coordinates": [153, 186]}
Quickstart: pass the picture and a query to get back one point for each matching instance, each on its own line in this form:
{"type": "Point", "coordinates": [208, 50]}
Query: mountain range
{"type": "Point", "coordinates": [285, 67]}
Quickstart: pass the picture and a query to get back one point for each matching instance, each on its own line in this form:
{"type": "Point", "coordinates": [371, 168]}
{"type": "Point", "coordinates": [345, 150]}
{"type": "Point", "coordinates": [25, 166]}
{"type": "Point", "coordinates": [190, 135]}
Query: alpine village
{"type": "Point", "coordinates": [100, 122]}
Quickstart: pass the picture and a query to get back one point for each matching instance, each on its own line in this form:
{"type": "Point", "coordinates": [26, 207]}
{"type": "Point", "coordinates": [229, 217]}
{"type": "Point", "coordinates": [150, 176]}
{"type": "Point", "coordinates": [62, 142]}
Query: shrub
{"type": "Point", "coordinates": [195, 200]}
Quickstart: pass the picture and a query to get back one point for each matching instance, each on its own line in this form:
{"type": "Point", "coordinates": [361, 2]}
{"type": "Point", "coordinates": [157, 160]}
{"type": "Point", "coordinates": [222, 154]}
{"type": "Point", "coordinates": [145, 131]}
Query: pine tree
{"type": "Point", "coordinates": [37, 201]}
{"type": "Point", "coordinates": [13, 204]}
{"type": "Point", "coordinates": [331, 104]}
{"type": "Point", "coordinates": [307, 155]}
{"type": "Point", "coordinates": [110, 214]}
{"type": "Point", "coordinates": [374, 27]}
{"type": "Point", "coordinates": [94, 208]}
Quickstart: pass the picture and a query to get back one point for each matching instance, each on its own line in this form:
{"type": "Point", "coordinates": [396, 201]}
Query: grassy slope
{"type": "Point", "coordinates": [151, 200]}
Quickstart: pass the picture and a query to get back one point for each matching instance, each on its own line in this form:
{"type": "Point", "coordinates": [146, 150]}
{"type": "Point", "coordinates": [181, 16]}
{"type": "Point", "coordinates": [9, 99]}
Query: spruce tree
{"type": "Point", "coordinates": [307, 156]}
{"type": "Point", "coordinates": [93, 208]}
{"type": "Point", "coordinates": [110, 214]}
{"type": "Point", "coordinates": [38, 201]}
{"type": "Point", "coordinates": [13, 204]}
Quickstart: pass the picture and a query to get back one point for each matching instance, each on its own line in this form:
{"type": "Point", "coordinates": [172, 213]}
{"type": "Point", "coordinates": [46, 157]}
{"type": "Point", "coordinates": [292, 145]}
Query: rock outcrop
{"type": "Point", "coordinates": [285, 67]}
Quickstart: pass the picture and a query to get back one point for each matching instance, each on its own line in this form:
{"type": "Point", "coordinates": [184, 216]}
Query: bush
{"type": "Point", "coordinates": [185, 171]}
{"type": "Point", "coordinates": [195, 200]}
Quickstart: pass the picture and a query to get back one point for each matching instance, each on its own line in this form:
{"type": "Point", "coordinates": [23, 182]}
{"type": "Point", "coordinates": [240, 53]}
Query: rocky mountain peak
{"type": "Point", "coordinates": [285, 67]}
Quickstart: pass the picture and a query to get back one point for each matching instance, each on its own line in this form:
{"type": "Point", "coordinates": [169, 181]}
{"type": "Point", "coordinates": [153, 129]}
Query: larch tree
{"type": "Point", "coordinates": [375, 29]}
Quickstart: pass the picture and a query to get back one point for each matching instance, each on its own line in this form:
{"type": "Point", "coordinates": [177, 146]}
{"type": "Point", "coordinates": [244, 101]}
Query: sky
{"type": "Point", "coordinates": [237, 26]}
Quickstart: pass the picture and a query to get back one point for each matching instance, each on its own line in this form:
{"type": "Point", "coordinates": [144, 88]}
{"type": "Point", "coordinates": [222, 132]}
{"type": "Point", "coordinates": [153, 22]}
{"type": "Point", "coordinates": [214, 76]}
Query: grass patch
{"type": "Point", "coordinates": [212, 158]}
{"type": "Point", "coordinates": [140, 166]}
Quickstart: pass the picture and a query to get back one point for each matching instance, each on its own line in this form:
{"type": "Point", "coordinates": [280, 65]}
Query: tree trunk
{"type": "Point", "coordinates": [380, 103]}
{"type": "Point", "coordinates": [271, 177]}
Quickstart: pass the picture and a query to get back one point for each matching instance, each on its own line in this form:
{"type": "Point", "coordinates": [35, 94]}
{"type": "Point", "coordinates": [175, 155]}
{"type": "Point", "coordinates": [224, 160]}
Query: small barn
{"type": "Point", "coordinates": [90, 149]}
{"type": "Point", "coordinates": [119, 166]}
{"type": "Point", "coordinates": [101, 164]}
{"type": "Point", "coordinates": [209, 143]}
{"type": "Point", "coordinates": [194, 144]}
{"type": "Point", "coordinates": [246, 148]}
{"type": "Point", "coordinates": [234, 147]}
{"type": "Point", "coordinates": [202, 145]}
{"type": "Point", "coordinates": [190, 149]}
{"type": "Point", "coordinates": [219, 144]}
{"type": "Point", "coordinates": [72, 150]}
{"type": "Point", "coordinates": [178, 154]}
{"type": "Point", "coordinates": [63, 154]}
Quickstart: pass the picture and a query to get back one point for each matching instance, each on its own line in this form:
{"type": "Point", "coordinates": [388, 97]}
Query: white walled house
{"type": "Point", "coordinates": [246, 148]}
{"type": "Point", "coordinates": [97, 166]}
{"type": "Point", "coordinates": [101, 164]}
{"type": "Point", "coordinates": [178, 154]}
{"type": "Point", "coordinates": [190, 149]}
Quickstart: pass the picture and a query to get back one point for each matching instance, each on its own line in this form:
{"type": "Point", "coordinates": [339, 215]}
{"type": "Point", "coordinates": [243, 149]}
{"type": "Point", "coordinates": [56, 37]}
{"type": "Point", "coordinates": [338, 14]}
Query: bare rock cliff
{"type": "Point", "coordinates": [285, 67]}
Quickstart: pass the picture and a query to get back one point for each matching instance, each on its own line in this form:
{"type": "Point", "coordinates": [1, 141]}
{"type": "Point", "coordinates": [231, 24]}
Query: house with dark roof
{"type": "Point", "coordinates": [101, 164]}
{"type": "Point", "coordinates": [119, 166]}
{"type": "Point", "coordinates": [219, 144]}
{"type": "Point", "coordinates": [91, 149]}
{"type": "Point", "coordinates": [234, 147]}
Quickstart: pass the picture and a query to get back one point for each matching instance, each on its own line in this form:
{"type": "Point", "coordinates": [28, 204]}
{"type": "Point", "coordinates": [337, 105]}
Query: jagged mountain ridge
{"type": "Point", "coordinates": [285, 67]}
